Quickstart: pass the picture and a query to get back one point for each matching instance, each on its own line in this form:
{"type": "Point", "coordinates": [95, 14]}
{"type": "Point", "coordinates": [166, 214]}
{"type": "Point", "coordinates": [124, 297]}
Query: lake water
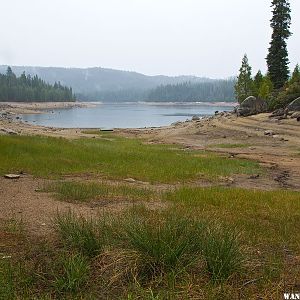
{"type": "Point", "coordinates": [125, 115]}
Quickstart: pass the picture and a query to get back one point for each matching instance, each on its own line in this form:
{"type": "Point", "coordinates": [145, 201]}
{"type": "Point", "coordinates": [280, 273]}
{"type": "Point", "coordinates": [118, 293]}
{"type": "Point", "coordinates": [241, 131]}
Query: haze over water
{"type": "Point", "coordinates": [123, 115]}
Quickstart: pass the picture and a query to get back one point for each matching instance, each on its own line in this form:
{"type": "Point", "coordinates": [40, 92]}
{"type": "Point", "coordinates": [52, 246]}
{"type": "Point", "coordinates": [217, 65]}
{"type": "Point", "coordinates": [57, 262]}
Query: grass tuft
{"type": "Point", "coordinates": [79, 233]}
{"type": "Point", "coordinates": [82, 192]}
{"type": "Point", "coordinates": [74, 274]}
{"type": "Point", "coordinates": [222, 253]}
{"type": "Point", "coordinates": [164, 243]}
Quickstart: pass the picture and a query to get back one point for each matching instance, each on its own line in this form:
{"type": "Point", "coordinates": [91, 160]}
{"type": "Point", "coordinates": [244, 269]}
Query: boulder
{"type": "Point", "coordinates": [8, 131]}
{"type": "Point", "coordinates": [195, 118]}
{"type": "Point", "coordinates": [277, 113]}
{"type": "Point", "coordinates": [130, 180]}
{"type": "Point", "coordinates": [12, 176]}
{"type": "Point", "coordinates": [252, 106]}
{"type": "Point", "coordinates": [269, 132]}
{"type": "Point", "coordinates": [295, 115]}
{"type": "Point", "coordinates": [295, 105]}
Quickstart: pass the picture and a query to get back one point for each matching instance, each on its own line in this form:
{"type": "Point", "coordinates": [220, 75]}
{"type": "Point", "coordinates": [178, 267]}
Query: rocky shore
{"type": "Point", "coordinates": [10, 108]}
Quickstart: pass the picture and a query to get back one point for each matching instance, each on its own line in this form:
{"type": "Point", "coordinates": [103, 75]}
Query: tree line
{"type": "Point", "coordinates": [27, 88]}
{"type": "Point", "coordinates": [217, 90]}
{"type": "Point", "coordinates": [214, 90]}
{"type": "Point", "coordinates": [278, 87]}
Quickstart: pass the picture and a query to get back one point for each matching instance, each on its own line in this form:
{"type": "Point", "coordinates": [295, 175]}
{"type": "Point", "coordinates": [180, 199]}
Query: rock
{"type": "Point", "coordinates": [176, 123]}
{"type": "Point", "coordinates": [8, 131]}
{"type": "Point", "coordinates": [282, 117]}
{"type": "Point", "coordinates": [12, 176]}
{"type": "Point", "coordinates": [269, 132]}
{"type": "Point", "coordinates": [295, 115]}
{"type": "Point", "coordinates": [277, 113]}
{"type": "Point", "coordinates": [252, 106]}
{"type": "Point", "coordinates": [294, 105]}
{"type": "Point", "coordinates": [195, 118]}
{"type": "Point", "coordinates": [6, 257]}
{"type": "Point", "coordinates": [131, 180]}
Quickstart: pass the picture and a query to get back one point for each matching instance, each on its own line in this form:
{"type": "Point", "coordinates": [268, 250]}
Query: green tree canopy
{"type": "Point", "coordinates": [257, 82]}
{"type": "Point", "coordinates": [265, 88]}
{"type": "Point", "coordinates": [277, 59]}
{"type": "Point", "coordinates": [244, 84]}
{"type": "Point", "coordinates": [295, 76]}
{"type": "Point", "coordinates": [29, 89]}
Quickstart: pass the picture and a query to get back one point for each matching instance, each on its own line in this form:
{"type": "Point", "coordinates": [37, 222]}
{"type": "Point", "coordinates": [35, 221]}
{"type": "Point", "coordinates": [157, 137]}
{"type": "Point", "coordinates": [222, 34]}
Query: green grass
{"type": "Point", "coordinates": [79, 234]}
{"type": "Point", "coordinates": [82, 192]}
{"type": "Point", "coordinates": [170, 243]}
{"type": "Point", "coordinates": [118, 158]}
{"type": "Point", "coordinates": [207, 242]}
{"type": "Point", "coordinates": [7, 284]}
{"type": "Point", "coordinates": [151, 244]}
{"type": "Point", "coordinates": [74, 273]}
{"type": "Point", "coordinates": [228, 146]}
{"type": "Point", "coordinates": [252, 210]}
{"type": "Point", "coordinates": [222, 252]}
{"type": "Point", "coordinates": [163, 243]}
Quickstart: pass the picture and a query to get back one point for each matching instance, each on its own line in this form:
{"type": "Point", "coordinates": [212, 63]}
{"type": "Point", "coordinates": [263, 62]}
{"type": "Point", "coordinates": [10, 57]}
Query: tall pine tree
{"type": "Point", "coordinates": [244, 85]}
{"type": "Point", "coordinates": [277, 59]}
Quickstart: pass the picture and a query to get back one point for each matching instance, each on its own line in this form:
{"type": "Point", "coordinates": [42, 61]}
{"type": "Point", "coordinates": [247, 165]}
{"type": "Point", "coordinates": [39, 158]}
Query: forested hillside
{"type": "Point", "coordinates": [107, 85]}
{"type": "Point", "coordinates": [218, 90]}
{"type": "Point", "coordinates": [90, 81]}
{"type": "Point", "coordinates": [27, 88]}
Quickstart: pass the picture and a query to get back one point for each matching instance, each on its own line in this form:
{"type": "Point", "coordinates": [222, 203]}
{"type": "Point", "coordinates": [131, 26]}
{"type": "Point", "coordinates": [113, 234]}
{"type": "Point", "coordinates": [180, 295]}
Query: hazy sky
{"type": "Point", "coordinates": [172, 37]}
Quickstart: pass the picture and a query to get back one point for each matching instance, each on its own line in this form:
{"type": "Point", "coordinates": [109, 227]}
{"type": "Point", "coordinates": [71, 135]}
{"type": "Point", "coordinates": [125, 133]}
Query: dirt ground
{"type": "Point", "coordinates": [279, 153]}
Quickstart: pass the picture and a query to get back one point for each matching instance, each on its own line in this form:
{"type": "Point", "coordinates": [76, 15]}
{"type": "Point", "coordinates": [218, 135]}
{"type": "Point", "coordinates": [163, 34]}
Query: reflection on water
{"type": "Point", "coordinates": [125, 115]}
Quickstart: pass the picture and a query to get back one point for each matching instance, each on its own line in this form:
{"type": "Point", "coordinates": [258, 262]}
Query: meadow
{"type": "Point", "coordinates": [114, 158]}
{"type": "Point", "coordinates": [200, 243]}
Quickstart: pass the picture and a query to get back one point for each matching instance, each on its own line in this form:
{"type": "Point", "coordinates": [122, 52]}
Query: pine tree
{"type": "Point", "coordinates": [27, 88]}
{"type": "Point", "coordinates": [295, 76]}
{"type": "Point", "coordinates": [258, 79]}
{"type": "Point", "coordinates": [265, 88]}
{"type": "Point", "coordinates": [277, 59]}
{"type": "Point", "coordinates": [244, 85]}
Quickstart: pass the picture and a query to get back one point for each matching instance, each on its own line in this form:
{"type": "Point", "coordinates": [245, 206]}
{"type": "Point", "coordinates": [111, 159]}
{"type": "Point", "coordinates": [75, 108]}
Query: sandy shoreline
{"type": "Point", "coordinates": [38, 107]}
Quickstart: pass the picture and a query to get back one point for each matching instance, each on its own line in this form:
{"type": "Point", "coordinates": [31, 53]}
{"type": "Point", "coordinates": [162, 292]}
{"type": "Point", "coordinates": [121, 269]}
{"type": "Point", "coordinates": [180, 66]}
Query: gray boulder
{"type": "Point", "coordinates": [277, 113]}
{"type": "Point", "coordinates": [295, 115]}
{"type": "Point", "coordinates": [195, 118]}
{"type": "Point", "coordinates": [252, 106]}
{"type": "Point", "coordinates": [295, 105]}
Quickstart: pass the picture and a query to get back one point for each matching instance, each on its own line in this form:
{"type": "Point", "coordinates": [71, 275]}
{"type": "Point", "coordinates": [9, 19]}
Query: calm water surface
{"type": "Point", "coordinates": [128, 115]}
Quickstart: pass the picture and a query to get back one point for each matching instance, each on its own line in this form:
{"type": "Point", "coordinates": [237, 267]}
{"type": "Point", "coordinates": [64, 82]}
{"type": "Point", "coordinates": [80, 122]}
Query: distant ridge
{"type": "Point", "coordinates": [108, 85]}
{"type": "Point", "coordinates": [92, 80]}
